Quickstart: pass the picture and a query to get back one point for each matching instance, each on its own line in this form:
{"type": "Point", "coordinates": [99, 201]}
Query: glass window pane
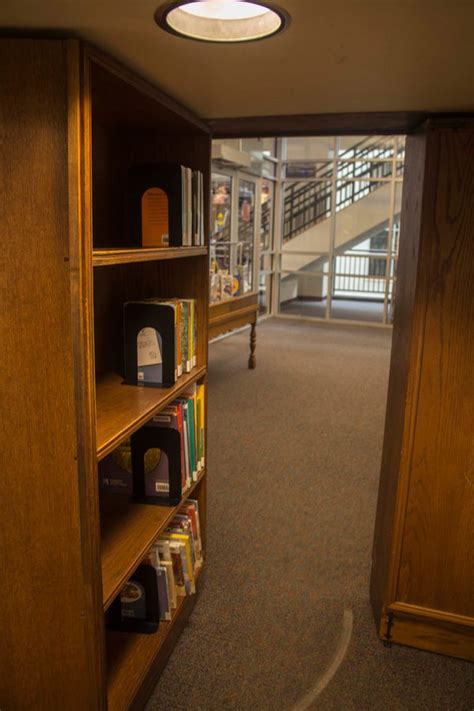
{"type": "Point", "coordinates": [306, 216]}
{"type": "Point", "coordinates": [350, 192]}
{"type": "Point", "coordinates": [269, 168]}
{"type": "Point", "coordinates": [246, 225]}
{"type": "Point", "coordinates": [364, 168]}
{"type": "Point", "coordinates": [308, 169]}
{"type": "Point", "coordinates": [264, 146]}
{"type": "Point", "coordinates": [266, 262]}
{"type": "Point", "coordinates": [266, 216]}
{"type": "Point", "coordinates": [365, 147]}
{"type": "Point", "coordinates": [310, 147]}
{"type": "Point", "coordinates": [303, 294]}
{"type": "Point", "coordinates": [221, 203]}
{"type": "Point", "coordinates": [349, 308]}
{"type": "Point", "coordinates": [264, 294]}
{"type": "Point", "coordinates": [303, 261]}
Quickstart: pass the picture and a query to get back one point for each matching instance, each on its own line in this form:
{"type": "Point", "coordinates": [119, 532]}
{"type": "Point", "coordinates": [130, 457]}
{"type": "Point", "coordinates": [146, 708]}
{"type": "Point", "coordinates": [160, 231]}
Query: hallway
{"type": "Point", "coordinates": [291, 511]}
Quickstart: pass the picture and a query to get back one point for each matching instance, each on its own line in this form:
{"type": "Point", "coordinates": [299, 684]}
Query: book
{"type": "Point", "coordinates": [166, 205]}
{"type": "Point", "coordinates": [178, 572]}
{"type": "Point", "coordinates": [150, 342]}
{"type": "Point", "coordinates": [182, 524]}
{"type": "Point", "coordinates": [201, 423]}
{"type": "Point", "coordinates": [152, 558]}
{"type": "Point", "coordinates": [186, 558]}
{"type": "Point", "coordinates": [190, 510]}
{"type": "Point", "coordinates": [115, 470]}
{"type": "Point", "coordinates": [172, 597]}
{"type": "Point", "coordinates": [172, 416]}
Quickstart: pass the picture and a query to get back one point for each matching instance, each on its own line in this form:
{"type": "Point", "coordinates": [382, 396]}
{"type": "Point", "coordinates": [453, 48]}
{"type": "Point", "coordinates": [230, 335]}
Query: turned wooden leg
{"type": "Point", "coordinates": [253, 343]}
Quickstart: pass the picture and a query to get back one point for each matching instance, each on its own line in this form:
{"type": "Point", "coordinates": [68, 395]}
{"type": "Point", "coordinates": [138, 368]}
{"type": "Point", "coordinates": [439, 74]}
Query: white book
{"type": "Point", "coordinates": [172, 595]}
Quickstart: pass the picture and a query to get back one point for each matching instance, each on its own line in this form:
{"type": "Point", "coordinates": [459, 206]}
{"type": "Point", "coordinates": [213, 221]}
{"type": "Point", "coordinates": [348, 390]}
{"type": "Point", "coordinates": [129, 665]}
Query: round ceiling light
{"type": "Point", "coordinates": [221, 20]}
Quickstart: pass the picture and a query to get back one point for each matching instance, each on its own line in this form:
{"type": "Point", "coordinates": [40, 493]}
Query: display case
{"type": "Point", "coordinates": [235, 223]}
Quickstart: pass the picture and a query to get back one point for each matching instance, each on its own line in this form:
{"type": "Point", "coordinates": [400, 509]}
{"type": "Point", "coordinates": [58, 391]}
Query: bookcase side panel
{"type": "Point", "coordinates": [46, 657]}
{"type": "Point", "coordinates": [437, 556]}
{"type": "Point", "coordinates": [386, 540]}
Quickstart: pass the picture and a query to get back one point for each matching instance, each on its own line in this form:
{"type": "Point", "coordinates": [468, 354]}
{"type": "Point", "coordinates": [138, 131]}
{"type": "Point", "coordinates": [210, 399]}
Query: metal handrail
{"type": "Point", "coordinates": [306, 204]}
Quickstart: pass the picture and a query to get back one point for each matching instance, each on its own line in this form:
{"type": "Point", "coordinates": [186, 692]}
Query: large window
{"type": "Point", "coordinates": [340, 215]}
{"type": "Point", "coordinates": [312, 223]}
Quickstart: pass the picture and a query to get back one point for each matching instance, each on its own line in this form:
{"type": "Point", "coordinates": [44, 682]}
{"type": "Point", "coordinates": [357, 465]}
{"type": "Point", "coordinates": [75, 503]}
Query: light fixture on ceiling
{"type": "Point", "coordinates": [221, 20]}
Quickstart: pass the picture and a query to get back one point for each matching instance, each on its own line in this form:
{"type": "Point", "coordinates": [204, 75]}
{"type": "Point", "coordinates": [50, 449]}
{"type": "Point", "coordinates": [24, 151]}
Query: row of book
{"type": "Point", "coordinates": [223, 286]}
{"type": "Point", "coordinates": [167, 205]}
{"type": "Point", "coordinates": [160, 340]}
{"type": "Point", "coordinates": [167, 572]}
{"type": "Point", "coordinates": [160, 461]}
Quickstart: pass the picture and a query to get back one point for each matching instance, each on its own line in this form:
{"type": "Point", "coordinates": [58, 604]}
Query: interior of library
{"type": "Point", "coordinates": [238, 308]}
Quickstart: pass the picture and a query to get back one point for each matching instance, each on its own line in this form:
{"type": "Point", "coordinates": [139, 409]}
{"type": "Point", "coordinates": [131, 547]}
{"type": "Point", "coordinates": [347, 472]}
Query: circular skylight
{"type": "Point", "coordinates": [221, 20]}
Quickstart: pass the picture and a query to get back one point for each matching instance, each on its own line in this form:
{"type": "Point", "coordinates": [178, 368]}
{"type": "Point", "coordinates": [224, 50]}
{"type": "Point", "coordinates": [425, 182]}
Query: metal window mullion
{"type": "Point", "coordinates": [390, 232]}
{"type": "Point", "coordinates": [278, 227]}
{"type": "Point", "coordinates": [332, 227]}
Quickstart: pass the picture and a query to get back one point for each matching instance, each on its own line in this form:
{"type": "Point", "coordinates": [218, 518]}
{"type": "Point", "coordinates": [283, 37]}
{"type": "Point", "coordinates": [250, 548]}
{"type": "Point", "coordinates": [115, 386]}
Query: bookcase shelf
{"type": "Point", "coordinates": [107, 257]}
{"type": "Point", "coordinates": [130, 656]}
{"type": "Point", "coordinates": [127, 533]}
{"type": "Point", "coordinates": [122, 409]}
{"type": "Point", "coordinates": [99, 121]}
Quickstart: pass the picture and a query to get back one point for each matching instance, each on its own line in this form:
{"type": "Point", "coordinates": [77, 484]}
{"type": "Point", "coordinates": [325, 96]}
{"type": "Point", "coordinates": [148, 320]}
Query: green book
{"type": "Point", "coordinates": [192, 438]}
{"type": "Point", "coordinates": [186, 356]}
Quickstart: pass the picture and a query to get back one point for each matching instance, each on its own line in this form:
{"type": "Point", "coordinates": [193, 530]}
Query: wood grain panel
{"type": "Point", "coordinates": [432, 633]}
{"type": "Point", "coordinates": [109, 257]}
{"type": "Point", "coordinates": [437, 558]}
{"type": "Point", "coordinates": [47, 660]}
{"type": "Point", "coordinates": [422, 585]}
{"type": "Point", "coordinates": [404, 348]}
{"type": "Point", "coordinates": [351, 124]}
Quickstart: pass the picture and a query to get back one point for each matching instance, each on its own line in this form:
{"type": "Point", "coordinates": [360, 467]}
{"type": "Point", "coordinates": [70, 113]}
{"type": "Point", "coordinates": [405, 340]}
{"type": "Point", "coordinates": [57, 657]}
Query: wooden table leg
{"type": "Point", "coordinates": [253, 343]}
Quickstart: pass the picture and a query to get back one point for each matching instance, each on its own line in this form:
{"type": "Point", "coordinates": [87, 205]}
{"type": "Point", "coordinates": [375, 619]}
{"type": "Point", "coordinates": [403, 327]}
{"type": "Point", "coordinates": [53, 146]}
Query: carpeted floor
{"type": "Point", "coordinates": [294, 455]}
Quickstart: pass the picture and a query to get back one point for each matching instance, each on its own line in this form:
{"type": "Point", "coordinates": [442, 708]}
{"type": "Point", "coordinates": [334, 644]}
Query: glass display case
{"type": "Point", "coordinates": [233, 230]}
{"type": "Point", "coordinates": [235, 224]}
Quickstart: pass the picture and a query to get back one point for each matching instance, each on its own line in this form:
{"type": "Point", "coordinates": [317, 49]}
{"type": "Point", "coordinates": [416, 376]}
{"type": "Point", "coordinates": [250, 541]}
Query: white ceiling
{"type": "Point", "coordinates": [336, 56]}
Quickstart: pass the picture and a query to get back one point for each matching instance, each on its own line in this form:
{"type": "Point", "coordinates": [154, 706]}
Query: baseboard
{"type": "Point", "coordinates": [430, 630]}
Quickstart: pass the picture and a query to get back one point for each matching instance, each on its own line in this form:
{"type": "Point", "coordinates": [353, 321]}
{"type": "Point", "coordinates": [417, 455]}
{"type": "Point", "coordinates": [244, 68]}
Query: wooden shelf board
{"type": "Point", "coordinates": [107, 257]}
{"type": "Point", "coordinates": [127, 534]}
{"type": "Point", "coordinates": [122, 409]}
{"type": "Point", "coordinates": [130, 656]}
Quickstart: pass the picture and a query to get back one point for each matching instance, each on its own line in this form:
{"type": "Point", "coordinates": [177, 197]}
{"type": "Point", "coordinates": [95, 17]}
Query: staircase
{"type": "Point", "coordinates": [361, 207]}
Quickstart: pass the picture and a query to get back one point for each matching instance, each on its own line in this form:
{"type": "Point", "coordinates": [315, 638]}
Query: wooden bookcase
{"type": "Point", "coordinates": [72, 122]}
{"type": "Point", "coordinates": [422, 582]}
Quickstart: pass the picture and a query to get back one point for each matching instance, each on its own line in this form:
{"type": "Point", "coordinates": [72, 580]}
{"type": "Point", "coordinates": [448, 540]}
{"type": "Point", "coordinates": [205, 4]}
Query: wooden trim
{"type": "Point", "coordinates": [437, 632]}
{"type": "Point", "coordinates": [122, 72]}
{"type": "Point", "coordinates": [232, 315]}
{"type": "Point", "coordinates": [80, 257]}
{"type": "Point", "coordinates": [404, 608]}
{"type": "Point", "coordinates": [406, 343]}
{"type": "Point", "coordinates": [352, 124]}
{"type": "Point", "coordinates": [106, 257]}
{"type": "Point", "coordinates": [122, 409]}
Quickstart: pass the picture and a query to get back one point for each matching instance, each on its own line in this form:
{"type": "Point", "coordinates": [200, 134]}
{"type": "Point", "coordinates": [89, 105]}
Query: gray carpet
{"type": "Point", "coordinates": [294, 459]}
